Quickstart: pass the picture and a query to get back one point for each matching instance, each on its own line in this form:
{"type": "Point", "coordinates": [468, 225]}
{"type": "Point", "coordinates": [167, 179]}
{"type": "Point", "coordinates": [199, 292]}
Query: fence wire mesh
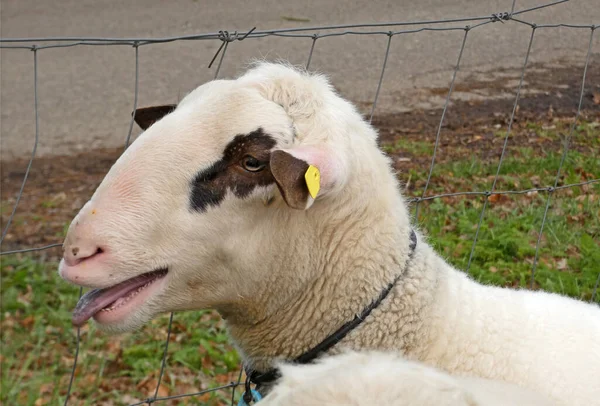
{"type": "Point", "coordinates": [318, 34]}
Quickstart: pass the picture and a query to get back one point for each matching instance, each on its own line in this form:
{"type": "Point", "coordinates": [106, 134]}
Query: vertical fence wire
{"type": "Point", "coordinates": [235, 386]}
{"type": "Point", "coordinates": [506, 137]}
{"type": "Point", "coordinates": [78, 333]}
{"type": "Point", "coordinates": [562, 159]}
{"type": "Point", "coordinates": [136, 92]}
{"type": "Point", "coordinates": [312, 48]}
{"type": "Point", "coordinates": [439, 130]}
{"type": "Point", "coordinates": [163, 362]}
{"type": "Point", "coordinates": [512, 7]}
{"type": "Point", "coordinates": [35, 143]}
{"type": "Point", "coordinates": [385, 59]}
{"type": "Point", "coordinates": [221, 59]}
{"type": "Point", "coordinates": [77, 344]}
{"type": "Point", "coordinates": [170, 326]}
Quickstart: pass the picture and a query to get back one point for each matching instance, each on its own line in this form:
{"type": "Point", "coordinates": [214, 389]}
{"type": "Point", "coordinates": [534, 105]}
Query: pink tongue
{"type": "Point", "coordinates": [97, 299]}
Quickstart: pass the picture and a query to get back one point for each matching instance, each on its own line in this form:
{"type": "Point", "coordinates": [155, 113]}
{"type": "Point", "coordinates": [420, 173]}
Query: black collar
{"type": "Point", "coordinates": [261, 378]}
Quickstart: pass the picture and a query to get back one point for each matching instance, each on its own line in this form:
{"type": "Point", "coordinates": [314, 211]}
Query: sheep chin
{"type": "Point", "coordinates": [133, 322]}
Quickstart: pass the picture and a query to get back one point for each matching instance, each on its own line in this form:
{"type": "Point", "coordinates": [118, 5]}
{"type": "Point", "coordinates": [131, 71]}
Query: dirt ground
{"type": "Point", "coordinates": [58, 186]}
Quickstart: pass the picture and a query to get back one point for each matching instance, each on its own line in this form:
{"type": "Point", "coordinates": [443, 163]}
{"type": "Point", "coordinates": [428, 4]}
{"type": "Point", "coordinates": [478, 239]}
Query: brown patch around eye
{"type": "Point", "coordinates": [210, 185]}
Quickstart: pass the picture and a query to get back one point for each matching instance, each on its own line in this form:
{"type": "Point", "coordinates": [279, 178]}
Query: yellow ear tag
{"type": "Point", "coordinates": [313, 180]}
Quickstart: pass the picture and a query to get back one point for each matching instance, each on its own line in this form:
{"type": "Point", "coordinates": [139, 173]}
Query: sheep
{"type": "Point", "coordinates": [381, 378]}
{"type": "Point", "coordinates": [267, 199]}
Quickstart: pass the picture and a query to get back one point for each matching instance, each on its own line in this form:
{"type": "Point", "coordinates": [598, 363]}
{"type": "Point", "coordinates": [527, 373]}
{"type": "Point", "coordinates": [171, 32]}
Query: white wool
{"type": "Point", "coordinates": [285, 278]}
{"type": "Point", "coordinates": [379, 378]}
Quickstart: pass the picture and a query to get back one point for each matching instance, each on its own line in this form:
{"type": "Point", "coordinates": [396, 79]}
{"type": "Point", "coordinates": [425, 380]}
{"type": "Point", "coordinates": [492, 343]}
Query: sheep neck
{"type": "Point", "coordinates": [261, 378]}
{"type": "Point", "coordinates": [344, 290]}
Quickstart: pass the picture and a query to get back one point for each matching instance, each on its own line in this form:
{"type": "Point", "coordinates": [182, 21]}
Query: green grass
{"type": "Point", "coordinates": [411, 146]}
{"type": "Point", "coordinates": [568, 259]}
{"type": "Point", "coordinates": [39, 342]}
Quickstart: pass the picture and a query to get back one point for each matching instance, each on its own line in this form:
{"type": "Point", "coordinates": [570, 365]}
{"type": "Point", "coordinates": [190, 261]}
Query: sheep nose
{"type": "Point", "coordinates": [79, 252]}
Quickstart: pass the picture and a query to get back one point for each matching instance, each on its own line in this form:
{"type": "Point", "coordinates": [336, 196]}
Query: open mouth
{"type": "Point", "coordinates": [112, 304]}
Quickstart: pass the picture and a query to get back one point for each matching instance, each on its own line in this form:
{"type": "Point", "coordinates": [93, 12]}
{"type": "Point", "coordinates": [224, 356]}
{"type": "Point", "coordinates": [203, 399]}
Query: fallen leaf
{"type": "Point", "coordinates": [163, 391]}
{"type": "Point", "coordinates": [562, 264]}
{"type": "Point", "coordinates": [144, 382]}
{"type": "Point", "coordinates": [25, 298]}
{"type": "Point", "coordinates": [498, 198]}
{"type": "Point", "coordinates": [475, 139]}
{"type": "Point", "coordinates": [223, 379]}
{"type": "Point", "coordinates": [27, 321]}
{"type": "Point", "coordinates": [114, 346]}
{"type": "Point", "coordinates": [46, 388]}
{"type": "Point", "coordinates": [494, 198]}
{"type": "Point", "coordinates": [149, 385]}
{"type": "Point", "coordinates": [596, 97]}
{"type": "Point", "coordinates": [128, 399]}
{"type": "Point", "coordinates": [493, 269]}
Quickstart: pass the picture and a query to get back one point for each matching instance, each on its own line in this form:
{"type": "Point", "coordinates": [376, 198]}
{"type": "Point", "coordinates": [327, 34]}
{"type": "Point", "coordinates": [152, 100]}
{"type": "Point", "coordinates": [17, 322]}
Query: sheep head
{"type": "Point", "coordinates": [207, 207]}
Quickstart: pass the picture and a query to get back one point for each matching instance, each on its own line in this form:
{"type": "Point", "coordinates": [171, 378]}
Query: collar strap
{"type": "Point", "coordinates": [271, 375]}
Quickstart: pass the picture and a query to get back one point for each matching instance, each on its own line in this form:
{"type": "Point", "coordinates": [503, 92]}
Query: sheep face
{"type": "Point", "coordinates": [191, 214]}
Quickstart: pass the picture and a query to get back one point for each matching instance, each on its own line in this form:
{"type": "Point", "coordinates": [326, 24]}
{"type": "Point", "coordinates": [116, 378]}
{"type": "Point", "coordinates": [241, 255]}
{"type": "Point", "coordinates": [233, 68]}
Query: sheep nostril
{"type": "Point", "coordinates": [76, 255]}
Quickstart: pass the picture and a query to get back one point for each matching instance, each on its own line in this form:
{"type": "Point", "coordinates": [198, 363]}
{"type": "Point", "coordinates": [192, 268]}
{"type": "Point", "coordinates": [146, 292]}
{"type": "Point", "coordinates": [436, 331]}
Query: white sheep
{"type": "Point", "coordinates": [218, 204]}
{"type": "Point", "coordinates": [378, 378]}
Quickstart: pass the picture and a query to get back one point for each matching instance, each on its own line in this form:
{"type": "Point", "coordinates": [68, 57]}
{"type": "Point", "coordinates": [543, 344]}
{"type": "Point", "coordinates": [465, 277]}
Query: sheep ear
{"type": "Point", "coordinates": [304, 174]}
{"type": "Point", "coordinates": [146, 116]}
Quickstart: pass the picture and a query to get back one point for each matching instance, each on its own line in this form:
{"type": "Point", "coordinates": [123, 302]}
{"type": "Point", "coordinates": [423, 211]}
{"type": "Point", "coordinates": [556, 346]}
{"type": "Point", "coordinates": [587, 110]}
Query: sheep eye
{"type": "Point", "coordinates": [252, 164]}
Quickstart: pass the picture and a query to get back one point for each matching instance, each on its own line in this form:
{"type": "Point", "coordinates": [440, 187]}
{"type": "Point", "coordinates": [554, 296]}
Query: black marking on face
{"type": "Point", "coordinates": [211, 184]}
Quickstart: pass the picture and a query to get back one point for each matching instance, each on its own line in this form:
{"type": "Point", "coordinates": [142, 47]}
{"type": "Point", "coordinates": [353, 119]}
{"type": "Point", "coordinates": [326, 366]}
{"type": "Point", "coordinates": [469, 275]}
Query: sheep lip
{"type": "Point", "coordinates": [97, 299]}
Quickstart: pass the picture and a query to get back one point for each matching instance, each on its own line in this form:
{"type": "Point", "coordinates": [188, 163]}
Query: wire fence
{"type": "Point", "coordinates": [318, 34]}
